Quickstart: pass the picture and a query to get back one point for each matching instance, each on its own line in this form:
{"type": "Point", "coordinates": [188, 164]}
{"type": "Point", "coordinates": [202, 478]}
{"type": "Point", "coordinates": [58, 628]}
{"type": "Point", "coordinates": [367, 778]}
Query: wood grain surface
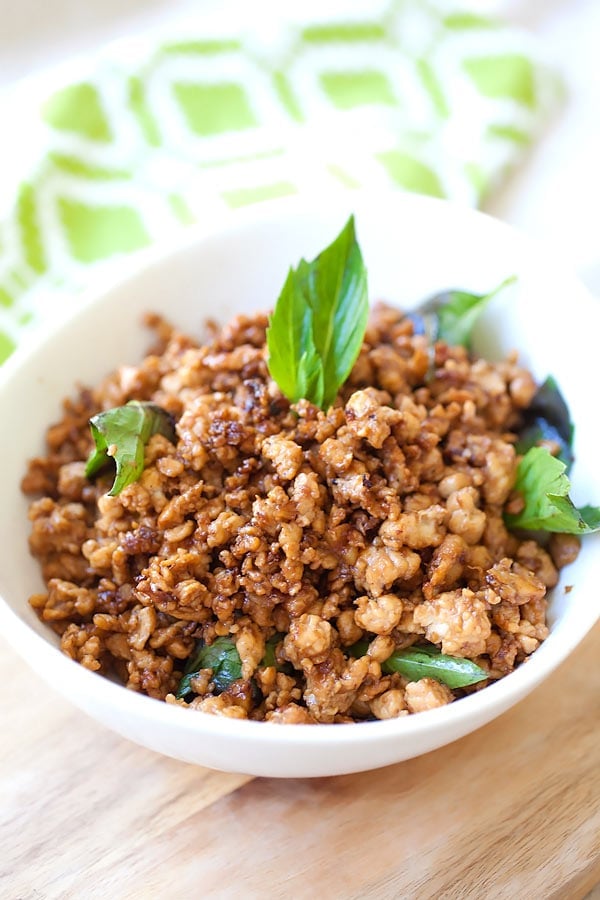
{"type": "Point", "coordinates": [511, 811]}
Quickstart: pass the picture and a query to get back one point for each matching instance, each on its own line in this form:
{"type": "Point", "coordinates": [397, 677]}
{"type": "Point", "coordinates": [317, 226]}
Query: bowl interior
{"type": "Point", "coordinates": [413, 247]}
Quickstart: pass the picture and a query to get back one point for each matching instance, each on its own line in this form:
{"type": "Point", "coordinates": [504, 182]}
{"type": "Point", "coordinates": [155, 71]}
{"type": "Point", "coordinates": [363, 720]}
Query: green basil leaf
{"type": "Point", "coordinates": [544, 486]}
{"type": "Point", "coordinates": [269, 659]}
{"type": "Point", "coordinates": [121, 434]}
{"type": "Point", "coordinates": [359, 648]}
{"type": "Point", "coordinates": [221, 656]}
{"type": "Point", "coordinates": [540, 431]}
{"type": "Point", "coordinates": [549, 403]}
{"type": "Point", "coordinates": [293, 358]}
{"type": "Point", "coordinates": [451, 316]}
{"type": "Point", "coordinates": [547, 418]}
{"type": "Point", "coordinates": [426, 661]}
{"type": "Point", "coordinates": [591, 517]}
{"type": "Point", "coordinates": [318, 324]}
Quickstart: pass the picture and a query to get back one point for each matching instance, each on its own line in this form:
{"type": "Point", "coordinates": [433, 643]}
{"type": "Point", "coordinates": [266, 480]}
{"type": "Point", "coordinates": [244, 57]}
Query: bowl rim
{"type": "Point", "coordinates": [30, 645]}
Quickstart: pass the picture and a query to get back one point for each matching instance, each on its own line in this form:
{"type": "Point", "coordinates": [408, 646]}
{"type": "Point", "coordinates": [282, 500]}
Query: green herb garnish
{"type": "Point", "coordinates": [547, 418]}
{"type": "Point", "coordinates": [451, 316]}
{"type": "Point", "coordinates": [426, 661]}
{"type": "Point", "coordinates": [269, 659]}
{"type": "Point", "coordinates": [318, 324]}
{"type": "Point", "coordinates": [221, 656]}
{"type": "Point", "coordinates": [122, 434]}
{"type": "Point", "coordinates": [544, 485]}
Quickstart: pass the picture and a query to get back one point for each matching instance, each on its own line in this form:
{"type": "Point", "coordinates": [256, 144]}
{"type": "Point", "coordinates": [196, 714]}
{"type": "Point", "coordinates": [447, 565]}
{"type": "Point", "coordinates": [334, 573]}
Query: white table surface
{"type": "Point", "coordinates": [554, 196]}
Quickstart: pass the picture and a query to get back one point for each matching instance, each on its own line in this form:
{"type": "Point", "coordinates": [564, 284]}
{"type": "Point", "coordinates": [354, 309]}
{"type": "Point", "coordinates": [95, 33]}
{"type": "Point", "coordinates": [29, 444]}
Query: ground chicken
{"type": "Point", "coordinates": [309, 639]}
{"type": "Point", "coordinates": [514, 583]}
{"type": "Point", "coordinates": [332, 685]}
{"type": "Point", "coordinates": [314, 544]}
{"type": "Point", "coordinates": [465, 517]}
{"type": "Point", "coordinates": [286, 456]}
{"type": "Point", "coordinates": [426, 694]}
{"type": "Point", "coordinates": [378, 568]}
{"type": "Point", "coordinates": [370, 417]}
{"type": "Point", "coordinates": [379, 615]}
{"type": "Point", "coordinates": [456, 620]}
{"type": "Point", "coordinates": [389, 705]}
{"type": "Point", "coordinates": [417, 530]}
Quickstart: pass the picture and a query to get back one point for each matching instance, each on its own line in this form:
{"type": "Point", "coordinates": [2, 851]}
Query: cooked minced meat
{"type": "Point", "coordinates": [380, 520]}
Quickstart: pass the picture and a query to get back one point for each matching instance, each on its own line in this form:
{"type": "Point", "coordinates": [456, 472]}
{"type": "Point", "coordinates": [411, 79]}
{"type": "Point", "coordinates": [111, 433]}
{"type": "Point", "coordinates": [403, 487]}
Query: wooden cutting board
{"type": "Point", "coordinates": [512, 811]}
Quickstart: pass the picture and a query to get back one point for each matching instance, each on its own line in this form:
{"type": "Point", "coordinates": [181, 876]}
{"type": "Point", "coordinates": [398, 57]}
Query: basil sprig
{"type": "Point", "coordinates": [544, 485]}
{"type": "Point", "coordinates": [223, 658]}
{"type": "Point", "coordinates": [547, 418]}
{"type": "Point", "coordinates": [451, 316]}
{"type": "Point", "coordinates": [426, 661]}
{"type": "Point", "coordinates": [319, 321]}
{"type": "Point", "coordinates": [122, 434]}
{"type": "Point", "coordinates": [269, 658]}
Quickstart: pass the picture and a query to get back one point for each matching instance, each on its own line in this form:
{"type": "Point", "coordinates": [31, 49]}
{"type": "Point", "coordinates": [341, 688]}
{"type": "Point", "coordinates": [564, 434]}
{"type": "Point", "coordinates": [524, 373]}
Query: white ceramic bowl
{"type": "Point", "coordinates": [413, 247]}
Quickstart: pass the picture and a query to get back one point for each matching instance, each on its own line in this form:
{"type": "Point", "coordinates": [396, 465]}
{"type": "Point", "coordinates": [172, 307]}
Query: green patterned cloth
{"type": "Point", "coordinates": [164, 130]}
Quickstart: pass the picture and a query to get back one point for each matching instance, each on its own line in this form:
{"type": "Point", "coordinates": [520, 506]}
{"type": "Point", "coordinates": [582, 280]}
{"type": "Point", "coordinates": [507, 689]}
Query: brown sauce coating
{"type": "Point", "coordinates": [381, 519]}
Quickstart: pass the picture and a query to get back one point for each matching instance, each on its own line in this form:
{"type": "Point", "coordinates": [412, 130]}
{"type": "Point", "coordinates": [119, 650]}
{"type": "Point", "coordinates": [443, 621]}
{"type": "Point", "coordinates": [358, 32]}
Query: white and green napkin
{"type": "Point", "coordinates": [116, 152]}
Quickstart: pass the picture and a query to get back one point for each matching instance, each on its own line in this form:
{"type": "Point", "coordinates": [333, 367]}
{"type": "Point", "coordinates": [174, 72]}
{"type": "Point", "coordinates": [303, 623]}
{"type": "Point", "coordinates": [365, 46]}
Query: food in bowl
{"type": "Point", "coordinates": [263, 552]}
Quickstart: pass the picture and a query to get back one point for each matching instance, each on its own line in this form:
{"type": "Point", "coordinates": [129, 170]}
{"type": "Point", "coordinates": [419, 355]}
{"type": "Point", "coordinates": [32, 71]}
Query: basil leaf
{"type": "Point", "coordinates": [547, 418]}
{"type": "Point", "coordinates": [318, 324]}
{"type": "Point", "coordinates": [426, 661]}
{"type": "Point", "coordinates": [591, 517]}
{"type": "Point", "coordinates": [293, 358]}
{"type": "Point", "coordinates": [269, 659]}
{"type": "Point", "coordinates": [540, 431]}
{"type": "Point", "coordinates": [451, 316]}
{"type": "Point", "coordinates": [549, 403]}
{"type": "Point", "coordinates": [359, 648]}
{"type": "Point", "coordinates": [544, 486]}
{"type": "Point", "coordinates": [121, 434]}
{"type": "Point", "coordinates": [221, 656]}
